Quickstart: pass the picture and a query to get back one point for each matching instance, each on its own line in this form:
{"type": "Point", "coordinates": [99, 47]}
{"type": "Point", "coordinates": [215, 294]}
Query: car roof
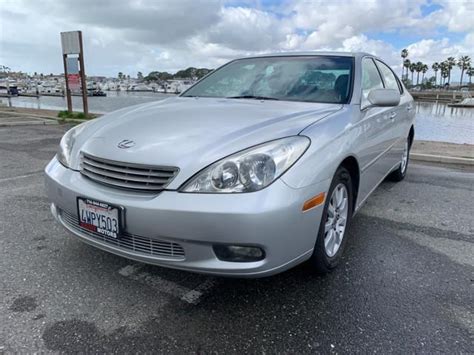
{"type": "Point", "coordinates": [312, 53]}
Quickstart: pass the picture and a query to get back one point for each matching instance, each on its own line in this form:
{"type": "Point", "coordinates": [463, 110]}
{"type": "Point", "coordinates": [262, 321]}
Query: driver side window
{"type": "Point", "coordinates": [370, 80]}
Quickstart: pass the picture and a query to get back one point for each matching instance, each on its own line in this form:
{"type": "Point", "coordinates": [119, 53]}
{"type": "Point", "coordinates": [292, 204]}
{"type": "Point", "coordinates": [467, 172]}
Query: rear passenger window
{"type": "Point", "coordinates": [370, 79]}
{"type": "Point", "coordinates": [391, 81]}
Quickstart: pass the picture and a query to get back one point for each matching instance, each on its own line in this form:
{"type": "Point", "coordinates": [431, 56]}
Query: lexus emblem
{"type": "Point", "coordinates": [125, 144]}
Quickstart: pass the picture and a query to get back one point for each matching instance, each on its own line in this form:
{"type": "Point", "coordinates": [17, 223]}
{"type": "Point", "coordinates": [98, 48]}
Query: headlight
{"type": "Point", "coordinates": [251, 169]}
{"type": "Point", "coordinates": [66, 144]}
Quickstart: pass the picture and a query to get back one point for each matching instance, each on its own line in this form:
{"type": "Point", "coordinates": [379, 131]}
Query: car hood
{"type": "Point", "coordinates": [191, 133]}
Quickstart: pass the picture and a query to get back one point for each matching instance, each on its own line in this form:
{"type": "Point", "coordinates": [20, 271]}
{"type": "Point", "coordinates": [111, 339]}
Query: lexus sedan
{"type": "Point", "coordinates": [256, 168]}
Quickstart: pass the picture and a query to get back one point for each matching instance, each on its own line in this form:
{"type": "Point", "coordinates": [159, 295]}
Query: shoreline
{"type": "Point", "coordinates": [43, 113]}
{"type": "Point", "coordinates": [7, 96]}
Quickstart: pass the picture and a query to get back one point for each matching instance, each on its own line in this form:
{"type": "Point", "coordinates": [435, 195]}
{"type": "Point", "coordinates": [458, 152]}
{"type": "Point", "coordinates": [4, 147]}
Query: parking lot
{"type": "Point", "coordinates": [406, 283]}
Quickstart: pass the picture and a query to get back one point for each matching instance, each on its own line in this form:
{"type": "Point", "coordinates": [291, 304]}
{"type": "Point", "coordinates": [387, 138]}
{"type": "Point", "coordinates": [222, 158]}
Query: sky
{"type": "Point", "coordinates": [140, 35]}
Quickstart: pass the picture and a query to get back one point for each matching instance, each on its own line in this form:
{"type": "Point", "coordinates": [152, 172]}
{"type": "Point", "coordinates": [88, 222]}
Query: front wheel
{"type": "Point", "coordinates": [334, 224]}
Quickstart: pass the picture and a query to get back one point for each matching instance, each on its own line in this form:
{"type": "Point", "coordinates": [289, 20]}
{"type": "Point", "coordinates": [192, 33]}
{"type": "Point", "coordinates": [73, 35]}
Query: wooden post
{"type": "Point", "coordinates": [83, 76]}
{"type": "Point", "coordinates": [68, 91]}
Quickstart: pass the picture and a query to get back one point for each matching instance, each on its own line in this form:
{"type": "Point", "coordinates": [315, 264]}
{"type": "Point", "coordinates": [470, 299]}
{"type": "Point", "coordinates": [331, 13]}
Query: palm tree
{"type": "Point", "coordinates": [412, 69]}
{"type": "Point", "coordinates": [435, 68]}
{"type": "Point", "coordinates": [441, 69]}
{"type": "Point", "coordinates": [404, 54]}
{"type": "Point", "coordinates": [424, 69]}
{"type": "Point", "coordinates": [464, 63]}
{"type": "Point", "coordinates": [406, 64]}
{"type": "Point", "coordinates": [444, 72]}
{"type": "Point", "coordinates": [418, 69]}
{"type": "Point", "coordinates": [451, 62]}
{"type": "Point", "coordinates": [470, 74]}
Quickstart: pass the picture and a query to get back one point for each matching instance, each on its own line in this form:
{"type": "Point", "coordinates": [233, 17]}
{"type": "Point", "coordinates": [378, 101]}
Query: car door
{"type": "Point", "coordinates": [376, 136]}
{"type": "Point", "coordinates": [398, 116]}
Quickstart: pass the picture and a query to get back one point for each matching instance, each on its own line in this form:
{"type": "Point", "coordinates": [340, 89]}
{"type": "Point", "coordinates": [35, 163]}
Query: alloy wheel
{"type": "Point", "coordinates": [404, 162]}
{"type": "Point", "coordinates": [336, 221]}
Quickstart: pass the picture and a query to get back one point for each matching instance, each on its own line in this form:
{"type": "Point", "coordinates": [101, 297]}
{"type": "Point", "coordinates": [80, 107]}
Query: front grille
{"type": "Point", "coordinates": [127, 175]}
{"type": "Point", "coordinates": [130, 242]}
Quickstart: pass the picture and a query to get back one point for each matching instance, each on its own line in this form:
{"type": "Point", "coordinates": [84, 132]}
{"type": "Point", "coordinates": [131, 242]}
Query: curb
{"type": "Point", "coordinates": [27, 123]}
{"type": "Point", "coordinates": [34, 115]}
{"type": "Point", "coordinates": [53, 120]}
{"type": "Point", "coordinates": [441, 159]}
{"type": "Point", "coordinates": [72, 120]}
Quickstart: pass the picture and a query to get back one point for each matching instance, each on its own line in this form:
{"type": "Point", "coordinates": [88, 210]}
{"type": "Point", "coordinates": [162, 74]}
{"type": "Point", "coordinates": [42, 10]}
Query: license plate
{"type": "Point", "coordinates": [99, 217]}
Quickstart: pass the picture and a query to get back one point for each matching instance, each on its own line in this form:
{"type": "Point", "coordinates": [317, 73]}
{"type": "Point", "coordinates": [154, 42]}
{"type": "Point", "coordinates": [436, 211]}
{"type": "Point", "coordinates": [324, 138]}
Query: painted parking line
{"type": "Point", "coordinates": [135, 272]}
{"type": "Point", "coordinates": [195, 295]}
{"type": "Point", "coordinates": [13, 178]}
{"type": "Point", "coordinates": [130, 270]}
{"type": "Point", "coordinates": [191, 296]}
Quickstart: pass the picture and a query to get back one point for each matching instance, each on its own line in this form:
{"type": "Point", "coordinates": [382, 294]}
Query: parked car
{"type": "Point", "coordinates": [256, 168]}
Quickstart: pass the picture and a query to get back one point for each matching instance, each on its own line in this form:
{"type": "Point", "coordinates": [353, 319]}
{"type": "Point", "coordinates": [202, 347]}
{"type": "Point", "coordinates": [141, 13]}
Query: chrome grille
{"type": "Point", "coordinates": [127, 175]}
{"type": "Point", "coordinates": [127, 241]}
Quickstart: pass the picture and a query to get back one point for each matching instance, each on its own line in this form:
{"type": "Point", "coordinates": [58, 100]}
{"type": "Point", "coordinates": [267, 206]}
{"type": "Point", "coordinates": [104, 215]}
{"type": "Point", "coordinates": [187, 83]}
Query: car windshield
{"type": "Point", "coordinates": [325, 79]}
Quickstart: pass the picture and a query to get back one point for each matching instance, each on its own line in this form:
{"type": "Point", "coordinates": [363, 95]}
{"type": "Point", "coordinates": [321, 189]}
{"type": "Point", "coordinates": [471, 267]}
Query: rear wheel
{"type": "Point", "coordinates": [335, 220]}
{"type": "Point", "coordinates": [400, 173]}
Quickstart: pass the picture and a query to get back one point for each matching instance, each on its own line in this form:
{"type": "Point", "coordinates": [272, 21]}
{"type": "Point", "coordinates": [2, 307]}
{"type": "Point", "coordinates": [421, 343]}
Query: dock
{"type": "Point", "coordinates": [449, 97]}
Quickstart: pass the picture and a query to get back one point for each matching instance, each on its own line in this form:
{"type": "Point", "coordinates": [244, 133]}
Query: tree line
{"type": "Point", "coordinates": [189, 73]}
{"type": "Point", "coordinates": [444, 68]}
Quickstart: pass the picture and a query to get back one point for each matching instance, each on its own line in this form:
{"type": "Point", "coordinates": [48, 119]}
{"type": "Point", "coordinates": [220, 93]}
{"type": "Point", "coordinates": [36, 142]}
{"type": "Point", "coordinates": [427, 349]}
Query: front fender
{"type": "Point", "coordinates": [332, 140]}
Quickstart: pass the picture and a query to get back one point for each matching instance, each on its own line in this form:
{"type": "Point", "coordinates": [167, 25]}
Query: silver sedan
{"type": "Point", "coordinates": [256, 168]}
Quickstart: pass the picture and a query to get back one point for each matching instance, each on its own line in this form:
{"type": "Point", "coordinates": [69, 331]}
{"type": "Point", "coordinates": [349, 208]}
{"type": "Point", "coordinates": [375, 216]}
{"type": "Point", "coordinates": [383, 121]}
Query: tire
{"type": "Point", "coordinates": [400, 173]}
{"type": "Point", "coordinates": [325, 258]}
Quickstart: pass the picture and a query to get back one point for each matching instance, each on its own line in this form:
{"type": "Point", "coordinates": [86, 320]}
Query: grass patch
{"type": "Point", "coordinates": [76, 115]}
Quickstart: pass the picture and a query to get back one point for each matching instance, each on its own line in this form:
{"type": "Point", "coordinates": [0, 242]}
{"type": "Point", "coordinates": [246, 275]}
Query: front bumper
{"type": "Point", "coordinates": [271, 219]}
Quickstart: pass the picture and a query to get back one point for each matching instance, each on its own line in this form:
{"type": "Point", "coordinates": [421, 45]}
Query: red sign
{"type": "Point", "coordinates": [74, 82]}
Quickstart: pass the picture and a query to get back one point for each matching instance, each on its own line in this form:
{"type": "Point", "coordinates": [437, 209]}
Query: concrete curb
{"type": "Point", "coordinates": [51, 118]}
{"type": "Point", "coordinates": [34, 115]}
{"type": "Point", "coordinates": [441, 159]}
{"type": "Point", "coordinates": [72, 120]}
{"type": "Point", "coordinates": [27, 123]}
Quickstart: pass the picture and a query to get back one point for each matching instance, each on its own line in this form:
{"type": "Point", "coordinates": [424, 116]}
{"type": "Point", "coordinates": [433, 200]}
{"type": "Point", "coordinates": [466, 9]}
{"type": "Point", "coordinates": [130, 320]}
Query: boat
{"type": "Point", "coordinates": [140, 88]}
{"type": "Point", "coordinates": [96, 92]}
{"type": "Point", "coordinates": [99, 93]}
{"type": "Point", "coordinates": [467, 103]}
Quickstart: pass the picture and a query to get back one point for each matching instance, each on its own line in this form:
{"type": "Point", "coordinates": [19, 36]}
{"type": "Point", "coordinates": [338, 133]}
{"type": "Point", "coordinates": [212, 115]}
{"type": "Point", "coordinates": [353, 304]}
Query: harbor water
{"type": "Point", "coordinates": [113, 101]}
{"type": "Point", "coordinates": [434, 121]}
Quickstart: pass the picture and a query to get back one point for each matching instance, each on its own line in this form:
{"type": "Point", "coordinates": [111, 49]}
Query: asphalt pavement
{"type": "Point", "coordinates": [406, 283]}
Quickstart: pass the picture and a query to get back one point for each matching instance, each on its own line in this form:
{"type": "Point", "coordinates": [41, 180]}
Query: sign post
{"type": "Point", "coordinates": [68, 91]}
{"type": "Point", "coordinates": [83, 76]}
{"type": "Point", "coordinates": [73, 52]}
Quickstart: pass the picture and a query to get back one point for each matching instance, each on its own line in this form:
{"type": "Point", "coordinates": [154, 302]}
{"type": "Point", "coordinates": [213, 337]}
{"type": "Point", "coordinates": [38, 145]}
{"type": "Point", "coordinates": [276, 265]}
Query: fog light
{"type": "Point", "coordinates": [238, 253]}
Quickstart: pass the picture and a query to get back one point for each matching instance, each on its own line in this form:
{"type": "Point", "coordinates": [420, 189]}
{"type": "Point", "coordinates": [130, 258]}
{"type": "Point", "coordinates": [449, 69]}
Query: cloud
{"type": "Point", "coordinates": [146, 35]}
{"type": "Point", "coordinates": [430, 51]}
{"type": "Point", "coordinates": [246, 29]}
{"type": "Point", "coordinates": [456, 16]}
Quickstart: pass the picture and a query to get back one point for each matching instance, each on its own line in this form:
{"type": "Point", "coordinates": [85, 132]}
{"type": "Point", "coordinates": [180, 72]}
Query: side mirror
{"type": "Point", "coordinates": [384, 97]}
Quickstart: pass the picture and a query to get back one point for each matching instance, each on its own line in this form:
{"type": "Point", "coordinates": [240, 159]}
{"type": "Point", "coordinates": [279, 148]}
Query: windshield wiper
{"type": "Point", "coordinates": [252, 97]}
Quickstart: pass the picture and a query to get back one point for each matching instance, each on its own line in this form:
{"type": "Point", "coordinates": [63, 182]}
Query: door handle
{"type": "Point", "coordinates": [393, 115]}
